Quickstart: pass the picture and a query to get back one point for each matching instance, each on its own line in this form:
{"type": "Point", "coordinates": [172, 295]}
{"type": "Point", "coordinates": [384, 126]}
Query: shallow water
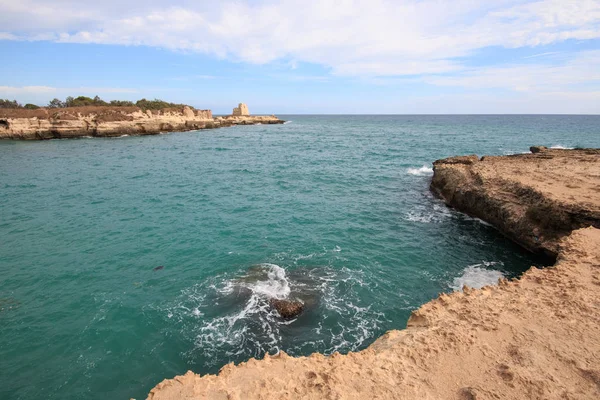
{"type": "Point", "coordinates": [334, 210]}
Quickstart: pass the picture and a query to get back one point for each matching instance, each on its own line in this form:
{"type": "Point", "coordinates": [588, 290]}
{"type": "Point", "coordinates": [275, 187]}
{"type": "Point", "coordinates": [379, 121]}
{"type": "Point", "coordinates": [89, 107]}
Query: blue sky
{"type": "Point", "coordinates": [290, 56]}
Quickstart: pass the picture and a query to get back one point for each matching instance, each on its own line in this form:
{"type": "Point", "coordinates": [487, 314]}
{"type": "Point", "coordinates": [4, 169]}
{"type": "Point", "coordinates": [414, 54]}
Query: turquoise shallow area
{"type": "Point", "coordinates": [334, 206]}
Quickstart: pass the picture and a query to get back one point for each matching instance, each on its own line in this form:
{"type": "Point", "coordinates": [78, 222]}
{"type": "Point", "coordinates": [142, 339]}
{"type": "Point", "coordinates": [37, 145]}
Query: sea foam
{"type": "Point", "coordinates": [424, 170]}
{"type": "Point", "coordinates": [477, 276]}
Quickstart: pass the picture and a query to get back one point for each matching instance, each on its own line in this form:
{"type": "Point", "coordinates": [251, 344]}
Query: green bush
{"type": "Point", "coordinates": [56, 103]}
{"type": "Point", "coordinates": [5, 103]}
{"type": "Point", "coordinates": [121, 103]}
{"type": "Point", "coordinates": [83, 101]}
{"type": "Point", "coordinates": [156, 104]}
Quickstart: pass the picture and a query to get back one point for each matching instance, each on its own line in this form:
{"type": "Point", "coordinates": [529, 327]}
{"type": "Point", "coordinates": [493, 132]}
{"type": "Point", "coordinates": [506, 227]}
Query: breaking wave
{"type": "Point", "coordinates": [428, 213]}
{"type": "Point", "coordinates": [424, 170]}
{"type": "Point", "coordinates": [558, 146]}
{"type": "Point", "coordinates": [230, 314]}
{"type": "Point", "coordinates": [477, 276]}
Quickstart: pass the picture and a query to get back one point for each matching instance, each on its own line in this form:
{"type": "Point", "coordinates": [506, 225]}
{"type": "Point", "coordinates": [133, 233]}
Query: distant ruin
{"type": "Point", "coordinates": [240, 110]}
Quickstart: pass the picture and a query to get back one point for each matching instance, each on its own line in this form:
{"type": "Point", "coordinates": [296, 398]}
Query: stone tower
{"type": "Point", "coordinates": [240, 110]}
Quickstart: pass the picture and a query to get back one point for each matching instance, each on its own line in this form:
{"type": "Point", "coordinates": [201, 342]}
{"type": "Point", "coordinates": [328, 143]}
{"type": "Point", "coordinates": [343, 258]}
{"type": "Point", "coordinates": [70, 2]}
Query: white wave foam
{"type": "Point", "coordinates": [427, 215]}
{"type": "Point", "coordinates": [558, 146]}
{"type": "Point", "coordinates": [477, 276]}
{"type": "Point", "coordinates": [229, 317]}
{"type": "Point", "coordinates": [287, 122]}
{"type": "Point", "coordinates": [424, 170]}
{"type": "Point", "coordinates": [276, 286]}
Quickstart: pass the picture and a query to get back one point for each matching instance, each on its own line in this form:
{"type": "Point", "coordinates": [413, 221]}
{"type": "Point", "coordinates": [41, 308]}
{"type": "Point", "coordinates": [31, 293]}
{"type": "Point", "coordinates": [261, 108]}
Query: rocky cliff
{"type": "Point", "coordinates": [535, 337]}
{"type": "Point", "coordinates": [535, 199]}
{"type": "Point", "coordinates": [112, 121]}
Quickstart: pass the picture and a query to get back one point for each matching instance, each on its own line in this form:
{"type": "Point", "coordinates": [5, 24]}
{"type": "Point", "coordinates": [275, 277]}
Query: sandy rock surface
{"type": "Point", "coordinates": [536, 338]}
{"type": "Point", "coordinates": [535, 199]}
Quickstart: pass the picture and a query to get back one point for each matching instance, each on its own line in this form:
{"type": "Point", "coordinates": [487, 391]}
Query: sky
{"type": "Point", "coordinates": [305, 56]}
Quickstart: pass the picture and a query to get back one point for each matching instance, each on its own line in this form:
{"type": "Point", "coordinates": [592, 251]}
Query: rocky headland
{"type": "Point", "coordinates": [535, 337]}
{"type": "Point", "coordinates": [110, 121]}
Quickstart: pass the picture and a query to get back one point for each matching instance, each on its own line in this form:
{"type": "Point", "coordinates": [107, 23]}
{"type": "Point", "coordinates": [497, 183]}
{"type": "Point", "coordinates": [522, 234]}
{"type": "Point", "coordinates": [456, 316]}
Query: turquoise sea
{"type": "Point", "coordinates": [335, 210]}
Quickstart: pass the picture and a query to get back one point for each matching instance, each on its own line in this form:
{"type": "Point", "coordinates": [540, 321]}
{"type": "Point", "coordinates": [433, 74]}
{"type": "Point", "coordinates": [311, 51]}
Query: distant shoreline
{"type": "Point", "coordinates": [113, 121]}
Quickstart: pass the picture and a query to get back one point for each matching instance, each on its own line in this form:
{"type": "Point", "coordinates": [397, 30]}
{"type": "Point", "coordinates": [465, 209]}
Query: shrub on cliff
{"type": "Point", "coordinates": [83, 101]}
{"type": "Point", "coordinates": [30, 106]}
{"type": "Point", "coordinates": [157, 104]}
{"type": "Point", "coordinates": [5, 103]}
{"type": "Point", "coordinates": [56, 103]}
{"type": "Point", "coordinates": [121, 103]}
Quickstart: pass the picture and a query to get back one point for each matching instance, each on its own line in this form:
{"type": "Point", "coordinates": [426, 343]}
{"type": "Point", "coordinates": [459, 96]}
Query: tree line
{"type": "Point", "coordinates": [82, 101]}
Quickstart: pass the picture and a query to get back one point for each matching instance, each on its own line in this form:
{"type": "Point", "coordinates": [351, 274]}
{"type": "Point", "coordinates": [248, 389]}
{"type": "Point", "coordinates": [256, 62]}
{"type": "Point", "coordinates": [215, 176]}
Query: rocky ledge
{"type": "Point", "coordinates": [106, 121]}
{"type": "Point", "coordinates": [535, 199]}
{"type": "Point", "coordinates": [535, 337]}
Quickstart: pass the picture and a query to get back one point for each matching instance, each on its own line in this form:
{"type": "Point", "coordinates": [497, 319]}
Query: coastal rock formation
{"type": "Point", "coordinates": [535, 337]}
{"type": "Point", "coordinates": [287, 309]}
{"type": "Point", "coordinates": [109, 121]}
{"type": "Point", "coordinates": [241, 110]}
{"type": "Point", "coordinates": [535, 199]}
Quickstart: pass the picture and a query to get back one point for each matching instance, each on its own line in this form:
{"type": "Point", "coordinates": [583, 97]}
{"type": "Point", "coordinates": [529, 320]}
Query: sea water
{"type": "Point", "coordinates": [332, 210]}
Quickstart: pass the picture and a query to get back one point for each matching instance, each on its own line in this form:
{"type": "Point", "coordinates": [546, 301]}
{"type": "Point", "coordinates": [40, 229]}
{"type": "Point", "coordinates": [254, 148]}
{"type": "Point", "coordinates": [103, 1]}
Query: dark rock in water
{"type": "Point", "coordinates": [287, 309]}
{"type": "Point", "coordinates": [158, 268]}
{"type": "Point", "coordinates": [538, 149]}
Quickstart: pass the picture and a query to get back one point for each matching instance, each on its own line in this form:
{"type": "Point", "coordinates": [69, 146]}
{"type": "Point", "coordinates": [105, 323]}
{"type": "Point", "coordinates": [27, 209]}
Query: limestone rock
{"type": "Point", "coordinates": [188, 113]}
{"type": "Point", "coordinates": [537, 149]}
{"type": "Point", "coordinates": [287, 309]}
{"type": "Point", "coordinates": [107, 121]}
{"type": "Point", "coordinates": [534, 199]}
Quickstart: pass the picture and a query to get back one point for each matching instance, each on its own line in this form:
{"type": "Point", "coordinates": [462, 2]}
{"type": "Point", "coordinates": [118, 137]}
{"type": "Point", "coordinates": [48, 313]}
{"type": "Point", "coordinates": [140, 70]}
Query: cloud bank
{"type": "Point", "coordinates": [431, 42]}
{"type": "Point", "coordinates": [355, 38]}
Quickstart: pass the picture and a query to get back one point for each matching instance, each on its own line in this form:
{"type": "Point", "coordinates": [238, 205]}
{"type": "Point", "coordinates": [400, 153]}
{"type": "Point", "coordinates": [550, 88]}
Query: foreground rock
{"type": "Point", "coordinates": [534, 338]}
{"type": "Point", "coordinates": [98, 121]}
{"type": "Point", "coordinates": [287, 309]}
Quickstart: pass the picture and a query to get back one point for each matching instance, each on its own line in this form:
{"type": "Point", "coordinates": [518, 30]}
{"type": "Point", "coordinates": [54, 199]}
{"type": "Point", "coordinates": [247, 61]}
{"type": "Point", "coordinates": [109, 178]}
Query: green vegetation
{"type": "Point", "coordinates": [5, 103]}
{"type": "Point", "coordinates": [156, 104]}
{"type": "Point", "coordinates": [83, 101]}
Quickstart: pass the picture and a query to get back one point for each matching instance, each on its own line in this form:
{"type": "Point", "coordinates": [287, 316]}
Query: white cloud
{"type": "Point", "coordinates": [584, 68]}
{"type": "Point", "coordinates": [14, 90]}
{"type": "Point", "coordinates": [351, 37]}
{"type": "Point", "coordinates": [20, 90]}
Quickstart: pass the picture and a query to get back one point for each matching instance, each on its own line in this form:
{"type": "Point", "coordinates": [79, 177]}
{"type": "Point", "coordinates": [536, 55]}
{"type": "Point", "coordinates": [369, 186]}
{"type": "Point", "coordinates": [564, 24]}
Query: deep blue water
{"type": "Point", "coordinates": [332, 209]}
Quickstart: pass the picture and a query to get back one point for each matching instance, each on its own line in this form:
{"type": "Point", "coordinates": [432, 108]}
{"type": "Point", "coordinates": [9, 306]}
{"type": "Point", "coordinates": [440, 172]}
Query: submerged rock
{"type": "Point", "coordinates": [287, 309]}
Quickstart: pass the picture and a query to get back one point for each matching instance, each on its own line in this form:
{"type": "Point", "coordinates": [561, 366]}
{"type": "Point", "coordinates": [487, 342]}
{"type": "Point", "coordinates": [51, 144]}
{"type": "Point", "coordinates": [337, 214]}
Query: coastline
{"type": "Point", "coordinates": [532, 337]}
{"type": "Point", "coordinates": [107, 121]}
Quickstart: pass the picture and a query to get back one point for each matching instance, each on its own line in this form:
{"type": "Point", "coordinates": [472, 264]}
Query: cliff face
{"type": "Point", "coordinates": [536, 337]}
{"type": "Point", "coordinates": [535, 199]}
{"type": "Point", "coordinates": [111, 121]}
